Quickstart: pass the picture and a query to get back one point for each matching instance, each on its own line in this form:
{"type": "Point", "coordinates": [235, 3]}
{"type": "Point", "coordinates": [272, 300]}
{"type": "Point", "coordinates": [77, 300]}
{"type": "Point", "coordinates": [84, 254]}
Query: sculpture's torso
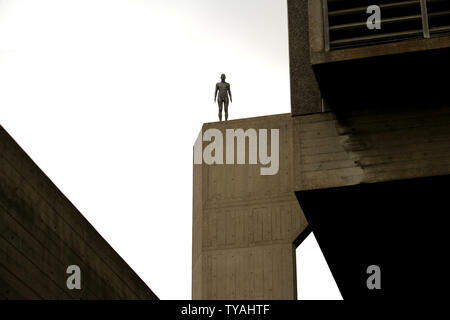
{"type": "Point", "coordinates": [223, 88]}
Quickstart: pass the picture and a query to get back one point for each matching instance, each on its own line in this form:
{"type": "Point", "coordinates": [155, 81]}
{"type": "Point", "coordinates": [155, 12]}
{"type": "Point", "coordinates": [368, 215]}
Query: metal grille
{"type": "Point", "coordinates": [345, 21]}
{"type": "Point", "coordinates": [438, 16]}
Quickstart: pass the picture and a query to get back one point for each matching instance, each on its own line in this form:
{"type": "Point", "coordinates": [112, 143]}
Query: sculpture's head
{"type": "Point", "coordinates": [223, 77]}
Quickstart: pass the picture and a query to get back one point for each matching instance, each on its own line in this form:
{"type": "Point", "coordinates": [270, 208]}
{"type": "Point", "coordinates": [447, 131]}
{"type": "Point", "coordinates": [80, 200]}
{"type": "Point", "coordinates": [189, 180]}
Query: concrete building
{"type": "Point", "coordinates": [42, 234]}
{"type": "Point", "coordinates": [368, 107]}
{"type": "Point", "coordinates": [245, 224]}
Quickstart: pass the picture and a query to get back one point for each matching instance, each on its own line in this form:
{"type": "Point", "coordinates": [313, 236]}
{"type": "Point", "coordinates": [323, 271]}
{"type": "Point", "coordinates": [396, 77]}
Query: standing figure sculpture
{"type": "Point", "coordinates": [224, 90]}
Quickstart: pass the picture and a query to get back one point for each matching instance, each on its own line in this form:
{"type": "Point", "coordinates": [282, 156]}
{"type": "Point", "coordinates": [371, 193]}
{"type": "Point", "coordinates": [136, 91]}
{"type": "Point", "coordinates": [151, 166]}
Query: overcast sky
{"type": "Point", "coordinates": [107, 97]}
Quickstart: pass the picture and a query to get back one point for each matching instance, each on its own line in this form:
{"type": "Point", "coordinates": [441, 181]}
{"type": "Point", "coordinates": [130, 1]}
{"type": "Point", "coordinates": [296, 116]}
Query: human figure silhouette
{"type": "Point", "coordinates": [224, 90]}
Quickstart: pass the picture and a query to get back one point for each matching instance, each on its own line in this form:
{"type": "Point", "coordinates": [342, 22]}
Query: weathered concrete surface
{"type": "Point", "coordinates": [245, 224]}
{"type": "Point", "coordinates": [305, 94]}
{"type": "Point", "coordinates": [370, 145]}
{"type": "Point", "coordinates": [389, 120]}
{"type": "Point", "coordinates": [42, 233]}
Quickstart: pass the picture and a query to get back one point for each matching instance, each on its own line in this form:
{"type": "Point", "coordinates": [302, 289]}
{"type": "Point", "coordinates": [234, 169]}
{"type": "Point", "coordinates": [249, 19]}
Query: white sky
{"type": "Point", "coordinates": [107, 97]}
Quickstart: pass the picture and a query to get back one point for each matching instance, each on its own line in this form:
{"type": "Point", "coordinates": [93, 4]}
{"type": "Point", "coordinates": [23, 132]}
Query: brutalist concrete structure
{"type": "Point", "coordinates": [245, 224]}
{"type": "Point", "coordinates": [367, 108]}
{"type": "Point", "coordinates": [42, 233]}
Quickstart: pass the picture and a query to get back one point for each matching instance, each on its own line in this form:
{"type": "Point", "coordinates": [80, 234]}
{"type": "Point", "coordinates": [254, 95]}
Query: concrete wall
{"type": "Point", "coordinates": [245, 224]}
{"type": "Point", "coordinates": [389, 120]}
{"type": "Point", "coordinates": [42, 233]}
{"type": "Point", "coordinates": [305, 94]}
{"type": "Point", "coordinates": [370, 145]}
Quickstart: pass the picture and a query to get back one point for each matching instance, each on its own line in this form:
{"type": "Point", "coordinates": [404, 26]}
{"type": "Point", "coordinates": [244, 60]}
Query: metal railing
{"type": "Point", "coordinates": [345, 21]}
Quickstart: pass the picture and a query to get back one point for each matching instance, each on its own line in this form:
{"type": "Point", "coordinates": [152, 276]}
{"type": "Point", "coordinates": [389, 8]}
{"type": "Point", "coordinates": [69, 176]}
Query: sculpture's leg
{"type": "Point", "coordinates": [220, 110]}
{"type": "Point", "coordinates": [226, 110]}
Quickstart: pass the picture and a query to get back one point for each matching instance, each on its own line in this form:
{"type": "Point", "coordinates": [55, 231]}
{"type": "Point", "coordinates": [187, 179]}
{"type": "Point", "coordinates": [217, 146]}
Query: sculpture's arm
{"type": "Point", "coordinates": [229, 93]}
{"type": "Point", "coordinates": [215, 93]}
